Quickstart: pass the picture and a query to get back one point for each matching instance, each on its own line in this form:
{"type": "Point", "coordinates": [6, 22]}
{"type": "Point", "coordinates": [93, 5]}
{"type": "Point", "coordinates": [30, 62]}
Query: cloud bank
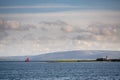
{"type": "Point", "coordinates": [39, 33]}
{"type": "Point", "coordinates": [58, 35]}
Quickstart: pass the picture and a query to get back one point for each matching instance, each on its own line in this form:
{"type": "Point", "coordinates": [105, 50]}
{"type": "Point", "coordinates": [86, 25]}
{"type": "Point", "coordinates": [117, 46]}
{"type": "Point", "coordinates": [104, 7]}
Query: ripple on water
{"type": "Point", "coordinates": [59, 71]}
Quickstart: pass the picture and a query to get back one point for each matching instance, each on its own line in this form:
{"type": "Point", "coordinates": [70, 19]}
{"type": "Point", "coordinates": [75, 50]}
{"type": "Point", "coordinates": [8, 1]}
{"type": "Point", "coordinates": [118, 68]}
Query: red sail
{"type": "Point", "coordinates": [27, 60]}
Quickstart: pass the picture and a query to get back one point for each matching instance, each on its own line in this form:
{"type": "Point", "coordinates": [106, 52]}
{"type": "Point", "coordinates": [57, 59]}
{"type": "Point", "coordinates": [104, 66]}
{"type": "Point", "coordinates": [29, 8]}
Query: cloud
{"type": "Point", "coordinates": [38, 6]}
{"type": "Point", "coordinates": [54, 30]}
{"type": "Point", "coordinates": [3, 34]}
{"type": "Point", "coordinates": [14, 25]}
{"type": "Point", "coordinates": [58, 29]}
{"type": "Point", "coordinates": [81, 18]}
{"type": "Point", "coordinates": [2, 30]}
{"type": "Point", "coordinates": [9, 25]}
{"type": "Point", "coordinates": [57, 22]}
{"type": "Point", "coordinates": [57, 35]}
{"type": "Point", "coordinates": [9, 28]}
{"type": "Point", "coordinates": [105, 32]}
{"type": "Point", "coordinates": [40, 31]}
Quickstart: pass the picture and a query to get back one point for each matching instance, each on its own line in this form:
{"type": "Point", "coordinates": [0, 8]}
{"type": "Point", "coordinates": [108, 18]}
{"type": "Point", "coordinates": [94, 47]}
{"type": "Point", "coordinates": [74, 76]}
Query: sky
{"type": "Point", "coordinates": [32, 27]}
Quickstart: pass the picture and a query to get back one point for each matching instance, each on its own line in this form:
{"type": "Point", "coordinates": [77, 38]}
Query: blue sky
{"type": "Point", "coordinates": [31, 27]}
{"type": "Point", "coordinates": [8, 6]}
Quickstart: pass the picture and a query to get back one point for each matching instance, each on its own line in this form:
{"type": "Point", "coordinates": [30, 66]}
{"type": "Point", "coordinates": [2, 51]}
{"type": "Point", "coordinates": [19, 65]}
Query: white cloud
{"type": "Point", "coordinates": [39, 41]}
{"type": "Point", "coordinates": [38, 6]}
{"type": "Point", "coordinates": [80, 18]}
{"type": "Point", "coordinates": [60, 31]}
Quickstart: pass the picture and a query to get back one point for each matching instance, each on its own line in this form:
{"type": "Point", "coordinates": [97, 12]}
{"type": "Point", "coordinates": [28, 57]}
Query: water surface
{"type": "Point", "coordinates": [60, 71]}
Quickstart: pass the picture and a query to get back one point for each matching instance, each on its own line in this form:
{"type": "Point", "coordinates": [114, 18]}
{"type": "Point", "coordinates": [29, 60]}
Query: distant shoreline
{"type": "Point", "coordinates": [68, 61]}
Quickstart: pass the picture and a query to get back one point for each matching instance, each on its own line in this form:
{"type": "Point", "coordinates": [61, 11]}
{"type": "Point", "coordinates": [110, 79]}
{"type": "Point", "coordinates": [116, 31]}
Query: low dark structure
{"type": "Point", "coordinates": [101, 59]}
{"type": "Point", "coordinates": [114, 60]}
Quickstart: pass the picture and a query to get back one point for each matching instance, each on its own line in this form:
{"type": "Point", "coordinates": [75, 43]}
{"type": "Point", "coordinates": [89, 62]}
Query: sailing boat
{"type": "Point", "coordinates": [27, 60]}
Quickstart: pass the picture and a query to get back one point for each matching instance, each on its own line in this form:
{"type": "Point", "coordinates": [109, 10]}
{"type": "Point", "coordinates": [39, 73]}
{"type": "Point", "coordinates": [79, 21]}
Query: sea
{"type": "Point", "coordinates": [59, 70]}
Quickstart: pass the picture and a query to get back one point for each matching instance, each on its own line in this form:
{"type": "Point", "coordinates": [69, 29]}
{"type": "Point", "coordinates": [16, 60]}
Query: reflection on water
{"type": "Point", "coordinates": [60, 71]}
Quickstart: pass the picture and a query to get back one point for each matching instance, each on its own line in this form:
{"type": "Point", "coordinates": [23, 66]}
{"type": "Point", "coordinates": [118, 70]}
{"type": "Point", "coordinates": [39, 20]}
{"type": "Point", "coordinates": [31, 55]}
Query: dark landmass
{"type": "Point", "coordinates": [110, 60]}
{"type": "Point", "coordinates": [69, 56]}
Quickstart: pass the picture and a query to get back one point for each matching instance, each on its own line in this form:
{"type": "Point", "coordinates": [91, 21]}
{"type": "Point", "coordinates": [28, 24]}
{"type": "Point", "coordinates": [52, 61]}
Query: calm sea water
{"type": "Point", "coordinates": [60, 71]}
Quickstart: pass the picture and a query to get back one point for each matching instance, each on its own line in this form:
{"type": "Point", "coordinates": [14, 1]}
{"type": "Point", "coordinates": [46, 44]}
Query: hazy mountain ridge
{"type": "Point", "coordinates": [78, 54]}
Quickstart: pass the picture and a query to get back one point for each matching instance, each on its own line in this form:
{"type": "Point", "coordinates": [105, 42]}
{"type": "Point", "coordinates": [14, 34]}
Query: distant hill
{"type": "Point", "coordinates": [79, 54]}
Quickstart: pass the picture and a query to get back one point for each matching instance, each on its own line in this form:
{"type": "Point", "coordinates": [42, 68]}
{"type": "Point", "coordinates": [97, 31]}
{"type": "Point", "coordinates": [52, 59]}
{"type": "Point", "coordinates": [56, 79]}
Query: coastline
{"type": "Point", "coordinates": [69, 61]}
